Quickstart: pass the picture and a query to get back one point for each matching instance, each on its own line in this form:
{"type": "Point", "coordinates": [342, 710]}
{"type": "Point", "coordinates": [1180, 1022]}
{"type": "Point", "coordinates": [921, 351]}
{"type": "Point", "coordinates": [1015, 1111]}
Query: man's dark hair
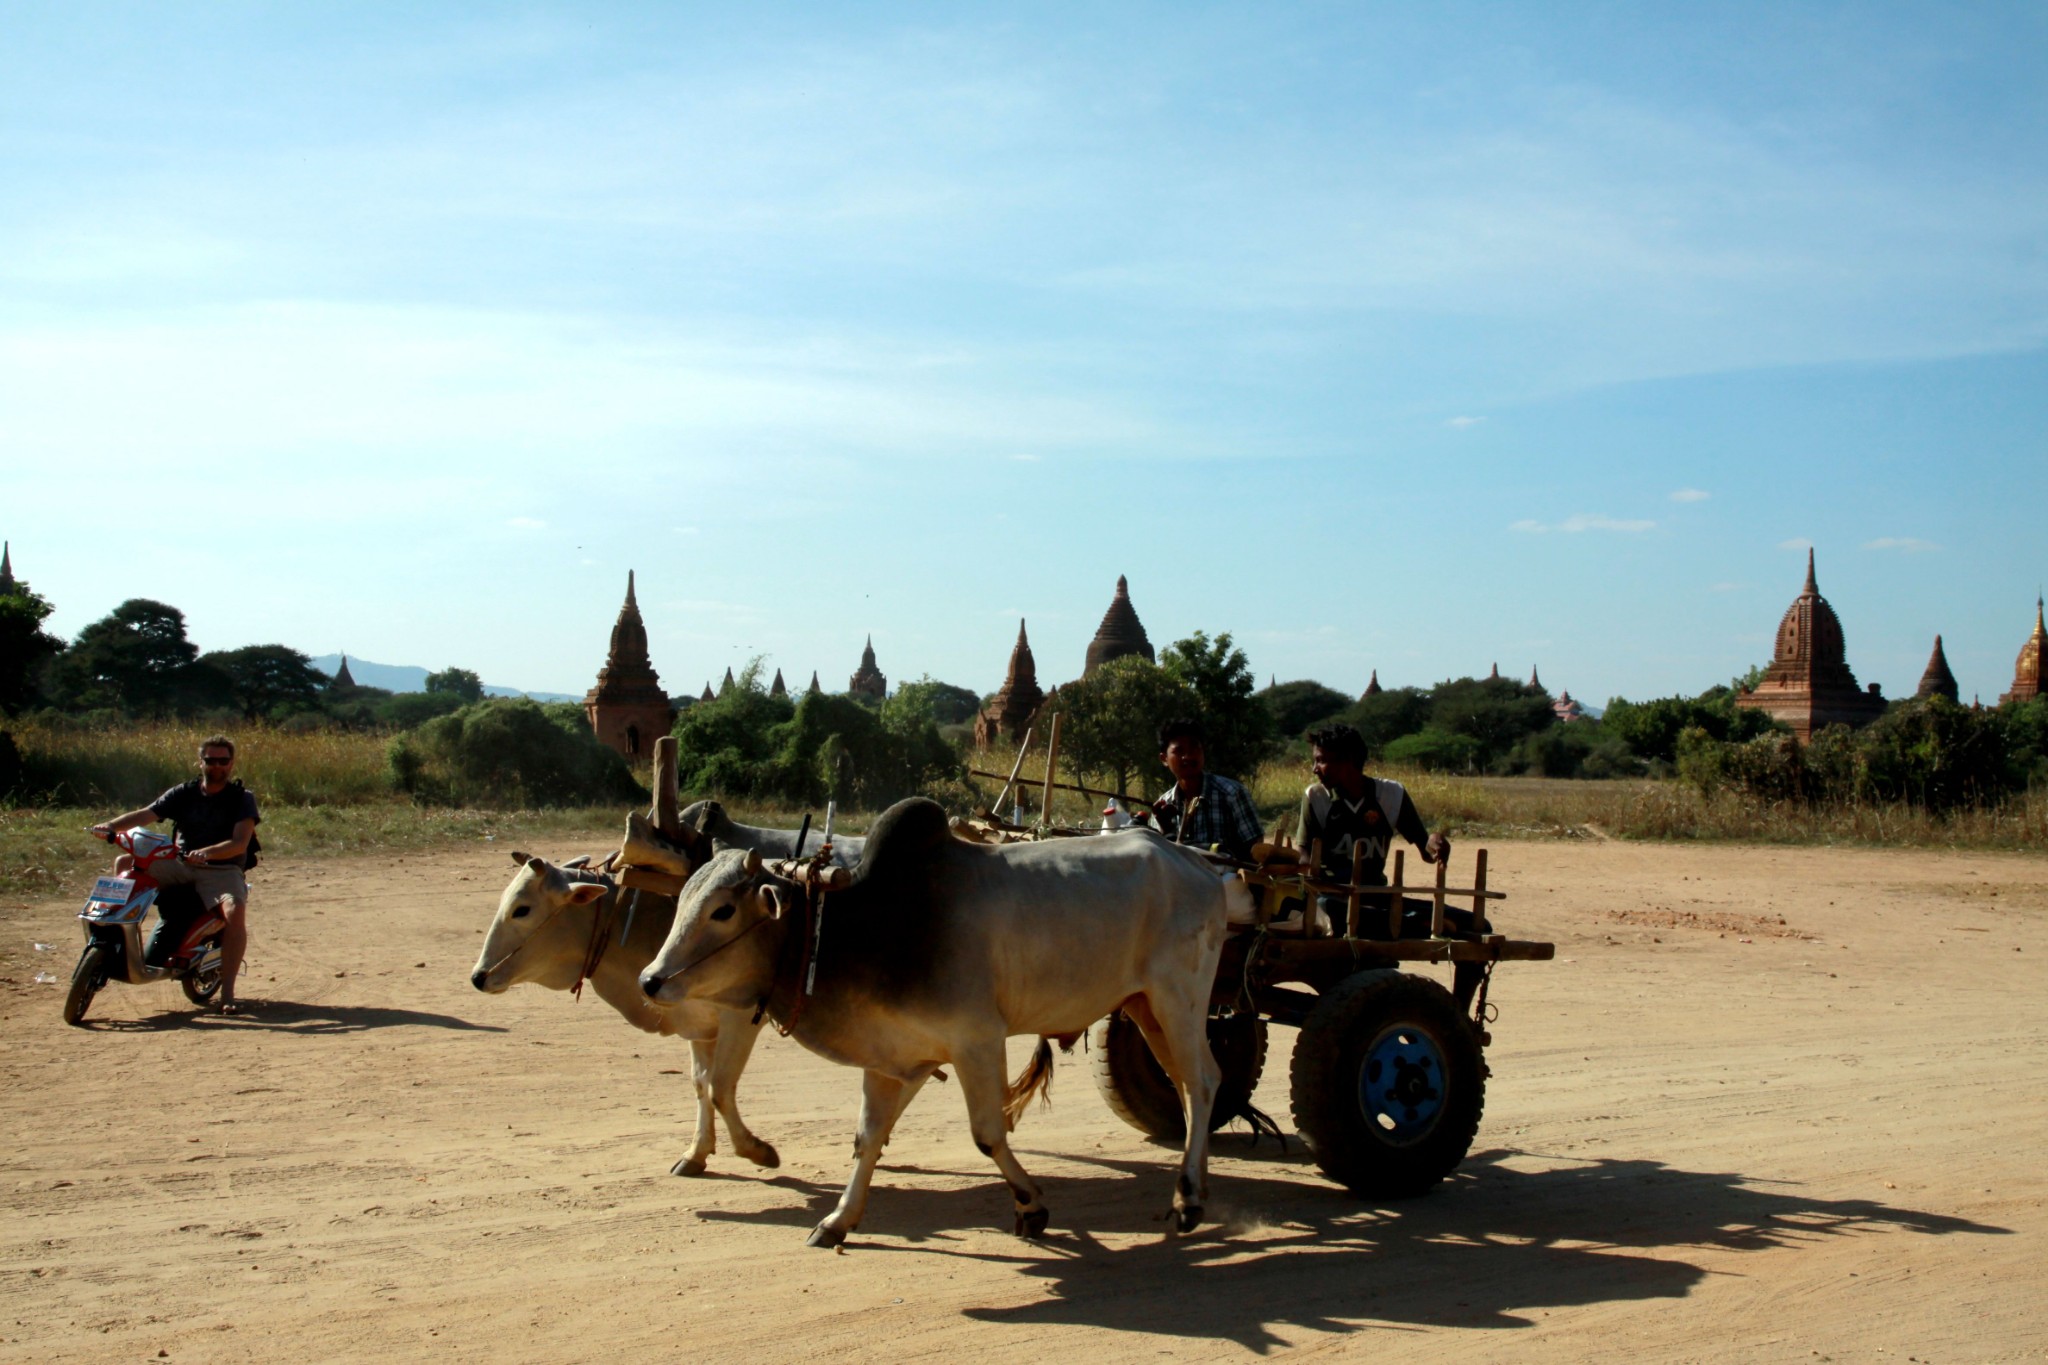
{"type": "Point", "coordinates": [217, 742]}
{"type": "Point", "coordinates": [1183, 728]}
{"type": "Point", "coordinates": [1340, 742]}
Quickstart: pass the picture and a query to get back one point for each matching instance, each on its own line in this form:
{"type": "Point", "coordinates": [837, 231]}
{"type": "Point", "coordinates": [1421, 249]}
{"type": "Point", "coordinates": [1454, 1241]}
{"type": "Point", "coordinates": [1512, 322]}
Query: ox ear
{"type": "Point", "coordinates": [772, 901]}
{"type": "Point", "coordinates": [584, 893]}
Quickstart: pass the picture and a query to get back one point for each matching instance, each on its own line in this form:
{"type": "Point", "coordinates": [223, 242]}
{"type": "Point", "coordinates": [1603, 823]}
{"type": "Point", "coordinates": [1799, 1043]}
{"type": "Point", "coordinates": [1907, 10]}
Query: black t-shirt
{"type": "Point", "coordinates": [1384, 811]}
{"type": "Point", "coordinates": [203, 820]}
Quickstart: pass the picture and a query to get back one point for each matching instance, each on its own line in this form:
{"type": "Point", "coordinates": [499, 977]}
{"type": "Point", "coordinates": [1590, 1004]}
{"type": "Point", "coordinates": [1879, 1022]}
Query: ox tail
{"type": "Point", "coordinates": [1034, 1079]}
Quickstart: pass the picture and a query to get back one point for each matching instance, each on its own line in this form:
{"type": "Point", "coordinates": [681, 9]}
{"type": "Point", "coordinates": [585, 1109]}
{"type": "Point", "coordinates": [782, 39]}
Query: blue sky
{"type": "Point", "coordinates": [1380, 337]}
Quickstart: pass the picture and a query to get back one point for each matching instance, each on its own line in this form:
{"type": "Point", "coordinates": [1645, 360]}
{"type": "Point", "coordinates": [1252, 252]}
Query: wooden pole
{"type": "Point", "coordinates": [666, 815]}
{"type": "Point", "coordinates": [1052, 764]}
{"type": "Point", "coordinates": [1355, 921]}
{"type": "Point", "coordinates": [1394, 901]}
{"type": "Point", "coordinates": [1015, 768]}
{"type": "Point", "coordinates": [1436, 913]}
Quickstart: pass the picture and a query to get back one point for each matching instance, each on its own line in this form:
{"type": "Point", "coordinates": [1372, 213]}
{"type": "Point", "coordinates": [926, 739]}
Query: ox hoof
{"type": "Point", "coordinates": [765, 1155]}
{"type": "Point", "coordinates": [825, 1235]}
{"type": "Point", "coordinates": [689, 1165]}
{"type": "Point", "coordinates": [1187, 1219]}
{"type": "Point", "coordinates": [1031, 1226]}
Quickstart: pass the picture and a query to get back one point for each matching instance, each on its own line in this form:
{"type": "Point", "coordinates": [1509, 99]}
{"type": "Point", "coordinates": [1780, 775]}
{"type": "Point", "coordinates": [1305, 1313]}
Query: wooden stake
{"type": "Point", "coordinates": [1479, 896]}
{"type": "Point", "coordinates": [1308, 895]}
{"type": "Point", "coordinates": [666, 815]}
{"type": "Point", "coordinates": [1015, 768]}
{"type": "Point", "coordinates": [1052, 764]}
{"type": "Point", "coordinates": [1436, 912]}
{"type": "Point", "coordinates": [1394, 901]}
{"type": "Point", "coordinates": [1355, 921]}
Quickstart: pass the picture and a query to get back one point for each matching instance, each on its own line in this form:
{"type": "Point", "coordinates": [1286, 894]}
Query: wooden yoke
{"type": "Point", "coordinates": [808, 873]}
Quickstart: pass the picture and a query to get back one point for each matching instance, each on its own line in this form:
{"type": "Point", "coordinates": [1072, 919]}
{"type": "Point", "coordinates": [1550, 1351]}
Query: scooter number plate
{"type": "Point", "coordinates": [111, 891]}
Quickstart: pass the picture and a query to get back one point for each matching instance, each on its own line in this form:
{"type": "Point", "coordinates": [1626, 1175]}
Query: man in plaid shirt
{"type": "Point", "coordinates": [1202, 809]}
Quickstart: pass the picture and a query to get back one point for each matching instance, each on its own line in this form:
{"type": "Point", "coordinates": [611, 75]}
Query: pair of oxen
{"type": "Point", "coordinates": [935, 954]}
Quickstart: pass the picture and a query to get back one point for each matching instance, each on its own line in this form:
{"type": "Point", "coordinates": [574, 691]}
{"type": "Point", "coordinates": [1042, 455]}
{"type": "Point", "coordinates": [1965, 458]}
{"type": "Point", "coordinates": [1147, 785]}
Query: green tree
{"type": "Point", "coordinates": [1386, 716]}
{"type": "Point", "coordinates": [269, 680]}
{"type": "Point", "coordinates": [1298, 707]}
{"type": "Point", "coordinates": [406, 710]}
{"type": "Point", "coordinates": [928, 699]}
{"type": "Point", "coordinates": [1496, 714]}
{"type": "Point", "coordinates": [1239, 728]}
{"type": "Point", "coordinates": [1651, 729]}
{"type": "Point", "coordinates": [457, 682]}
{"type": "Point", "coordinates": [137, 659]}
{"type": "Point", "coordinates": [1110, 720]}
{"type": "Point", "coordinates": [25, 648]}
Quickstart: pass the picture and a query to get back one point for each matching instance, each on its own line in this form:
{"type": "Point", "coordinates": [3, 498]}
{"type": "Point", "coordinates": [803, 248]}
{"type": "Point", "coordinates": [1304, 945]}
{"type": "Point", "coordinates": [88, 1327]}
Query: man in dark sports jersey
{"type": "Point", "coordinates": [1344, 808]}
{"type": "Point", "coordinates": [216, 821]}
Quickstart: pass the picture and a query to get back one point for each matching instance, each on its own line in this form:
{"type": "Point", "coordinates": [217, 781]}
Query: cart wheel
{"type": "Point", "coordinates": [86, 978]}
{"type": "Point", "coordinates": [1137, 1090]}
{"type": "Point", "coordinates": [1388, 1084]}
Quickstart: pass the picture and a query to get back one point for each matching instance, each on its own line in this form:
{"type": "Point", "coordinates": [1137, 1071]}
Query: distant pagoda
{"type": "Point", "coordinates": [628, 709]}
{"type": "Point", "coordinates": [814, 690]}
{"type": "Point", "coordinates": [1938, 681]}
{"type": "Point", "coordinates": [778, 688]}
{"type": "Point", "coordinates": [1120, 634]}
{"type": "Point", "coordinates": [8, 586]}
{"type": "Point", "coordinates": [725, 687]}
{"type": "Point", "coordinates": [1566, 708]}
{"type": "Point", "coordinates": [708, 695]}
{"type": "Point", "coordinates": [1010, 710]}
{"type": "Point", "coordinates": [1372, 686]}
{"type": "Point", "coordinates": [2033, 663]}
{"type": "Point", "coordinates": [342, 677]}
{"type": "Point", "coordinates": [1808, 685]}
{"type": "Point", "coordinates": [868, 681]}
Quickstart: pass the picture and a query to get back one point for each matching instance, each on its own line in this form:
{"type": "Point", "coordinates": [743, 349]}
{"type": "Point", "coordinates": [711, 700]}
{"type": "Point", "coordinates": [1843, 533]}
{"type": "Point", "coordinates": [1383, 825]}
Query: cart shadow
{"type": "Point", "coordinates": [1493, 1247]}
{"type": "Point", "coordinates": [290, 1016]}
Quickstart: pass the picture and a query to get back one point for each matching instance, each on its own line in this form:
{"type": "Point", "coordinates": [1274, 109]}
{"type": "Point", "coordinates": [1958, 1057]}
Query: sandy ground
{"type": "Point", "coordinates": [1766, 1105]}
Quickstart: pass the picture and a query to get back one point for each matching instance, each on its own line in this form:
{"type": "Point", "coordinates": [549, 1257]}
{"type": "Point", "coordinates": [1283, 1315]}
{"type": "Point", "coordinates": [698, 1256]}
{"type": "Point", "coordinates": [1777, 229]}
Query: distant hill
{"type": "Point", "coordinates": [411, 678]}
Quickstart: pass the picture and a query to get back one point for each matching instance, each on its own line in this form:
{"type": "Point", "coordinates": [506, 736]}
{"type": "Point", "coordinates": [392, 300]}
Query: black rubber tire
{"type": "Point", "coordinates": [1353, 1147]}
{"type": "Point", "coordinates": [201, 987]}
{"type": "Point", "coordinates": [86, 979]}
{"type": "Point", "coordinates": [1136, 1088]}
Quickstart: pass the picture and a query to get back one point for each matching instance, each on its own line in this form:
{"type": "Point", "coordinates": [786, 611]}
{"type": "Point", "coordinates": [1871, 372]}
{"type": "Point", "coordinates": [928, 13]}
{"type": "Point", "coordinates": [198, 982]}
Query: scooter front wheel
{"type": "Point", "coordinates": [86, 979]}
{"type": "Point", "coordinates": [201, 986]}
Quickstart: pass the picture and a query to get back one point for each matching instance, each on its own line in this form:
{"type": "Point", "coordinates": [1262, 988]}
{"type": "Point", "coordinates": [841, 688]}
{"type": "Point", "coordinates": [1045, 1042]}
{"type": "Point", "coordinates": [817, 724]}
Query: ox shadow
{"type": "Point", "coordinates": [1493, 1247]}
{"type": "Point", "coordinates": [290, 1016]}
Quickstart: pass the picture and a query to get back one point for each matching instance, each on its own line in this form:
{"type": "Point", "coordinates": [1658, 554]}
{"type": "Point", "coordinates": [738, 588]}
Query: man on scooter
{"type": "Point", "coordinates": [216, 821]}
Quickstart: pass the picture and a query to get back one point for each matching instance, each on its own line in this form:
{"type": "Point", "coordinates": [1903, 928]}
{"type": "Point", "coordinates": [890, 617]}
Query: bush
{"type": "Point", "coordinates": [1298, 707]}
{"type": "Point", "coordinates": [1651, 729]}
{"type": "Point", "coordinates": [1581, 749]}
{"type": "Point", "coordinates": [506, 752]}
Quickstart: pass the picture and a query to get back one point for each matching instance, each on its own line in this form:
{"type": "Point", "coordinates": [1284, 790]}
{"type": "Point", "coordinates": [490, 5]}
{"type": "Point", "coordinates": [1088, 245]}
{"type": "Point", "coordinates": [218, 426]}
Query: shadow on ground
{"type": "Point", "coordinates": [1493, 1247]}
{"type": "Point", "coordinates": [290, 1016]}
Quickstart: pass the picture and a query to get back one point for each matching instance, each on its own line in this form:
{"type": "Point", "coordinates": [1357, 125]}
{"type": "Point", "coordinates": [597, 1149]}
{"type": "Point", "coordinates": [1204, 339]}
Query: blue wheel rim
{"type": "Point", "coordinates": [1402, 1083]}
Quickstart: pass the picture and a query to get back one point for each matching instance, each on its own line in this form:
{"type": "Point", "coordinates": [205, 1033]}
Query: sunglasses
{"type": "Point", "coordinates": [218, 762]}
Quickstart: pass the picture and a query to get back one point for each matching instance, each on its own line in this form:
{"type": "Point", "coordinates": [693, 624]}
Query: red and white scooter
{"type": "Point", "coordinates": [186, 944]}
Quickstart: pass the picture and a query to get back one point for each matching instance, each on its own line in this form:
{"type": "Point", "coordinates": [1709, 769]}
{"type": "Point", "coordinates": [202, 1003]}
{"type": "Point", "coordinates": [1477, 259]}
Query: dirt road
{"type": "Point", "coordinates": [1767, 1105]}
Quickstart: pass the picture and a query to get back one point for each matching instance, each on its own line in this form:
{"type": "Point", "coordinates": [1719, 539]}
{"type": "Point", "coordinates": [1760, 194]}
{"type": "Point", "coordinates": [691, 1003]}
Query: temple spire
{"type": "Point", "coordinates": [1120, 633]}
{"type": "Point", "coordinates": [8, 587]}
{"type": "Point", "coordinates": [1812, 588]}
{"type": "Point", "coordinates": [1938, 681]}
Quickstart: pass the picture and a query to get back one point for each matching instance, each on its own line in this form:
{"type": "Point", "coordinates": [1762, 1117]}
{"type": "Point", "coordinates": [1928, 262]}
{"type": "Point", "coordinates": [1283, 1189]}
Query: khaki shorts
{"type": "Point", "coordinates": [212, 882]}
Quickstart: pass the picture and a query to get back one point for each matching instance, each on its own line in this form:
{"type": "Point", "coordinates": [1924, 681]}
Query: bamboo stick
{"type": "Point", "coordinates": [1015, 768]}
{"type": "Point", "coordinates": [1436, 911]}
{"type": "Point", "coordinates": [1394, 905]}
{"type": "Point", "coordinates": [1354, 923]}
{"type": "Point", "coordinates": [1479, 894]}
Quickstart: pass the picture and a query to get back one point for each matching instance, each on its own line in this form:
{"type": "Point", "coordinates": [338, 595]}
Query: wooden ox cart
{"type": "Point", "coordinates": [1388, 1076]}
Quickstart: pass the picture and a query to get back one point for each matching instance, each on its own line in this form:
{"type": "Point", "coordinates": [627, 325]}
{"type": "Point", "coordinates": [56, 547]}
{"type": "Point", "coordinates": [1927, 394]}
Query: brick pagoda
{"type": "Point", "coordinates": [1808, 685]}
{"type": "Point", "coordinates": [627, 709]}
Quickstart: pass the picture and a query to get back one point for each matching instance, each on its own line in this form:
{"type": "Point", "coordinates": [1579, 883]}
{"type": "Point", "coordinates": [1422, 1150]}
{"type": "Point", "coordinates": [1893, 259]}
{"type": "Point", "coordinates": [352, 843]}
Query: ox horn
{"type": "Point", "coordinates": [646, 846]}
{"type": "Point", "coordinates": [753, 863]}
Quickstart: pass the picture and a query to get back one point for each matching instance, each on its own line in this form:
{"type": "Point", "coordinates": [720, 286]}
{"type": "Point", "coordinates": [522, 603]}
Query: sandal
{"type": "Point", "coordinates": [233, 1008]}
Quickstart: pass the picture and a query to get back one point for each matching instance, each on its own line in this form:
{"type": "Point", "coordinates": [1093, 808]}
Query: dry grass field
{"type": "Point", "coordinates": [1770, 1103]}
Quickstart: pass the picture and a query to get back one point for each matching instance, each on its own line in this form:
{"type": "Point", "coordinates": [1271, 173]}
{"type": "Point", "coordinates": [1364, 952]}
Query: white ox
{"type": "Point", "coordinates": [940, 950]}
{"type": "Point", "coordinates": [550, 917]}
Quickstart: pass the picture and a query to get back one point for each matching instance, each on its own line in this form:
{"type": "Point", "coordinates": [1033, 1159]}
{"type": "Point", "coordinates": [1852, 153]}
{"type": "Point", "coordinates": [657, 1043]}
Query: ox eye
{"type": "Point", "coordinates": [722, 912]}
{"type": "Point", "coordinates": [521, 911]}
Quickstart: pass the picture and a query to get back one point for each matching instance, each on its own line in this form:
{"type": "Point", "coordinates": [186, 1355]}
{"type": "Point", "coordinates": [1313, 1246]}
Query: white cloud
{"type": "Point", "coordinates": [1796, 543]}
{"type": "Point", "coordinates": [526, 523]}
{"type": "Point", "coordinates": [1691, 495]}
{"type": "Point", "coordinates": [1582, 521]}
{"type": "Point", "coordinates": [1462, 422]}
{"type": "Point", "coordinates": [1728, 587]}
{"type": "Point", "coordinates": [1909, 544]}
